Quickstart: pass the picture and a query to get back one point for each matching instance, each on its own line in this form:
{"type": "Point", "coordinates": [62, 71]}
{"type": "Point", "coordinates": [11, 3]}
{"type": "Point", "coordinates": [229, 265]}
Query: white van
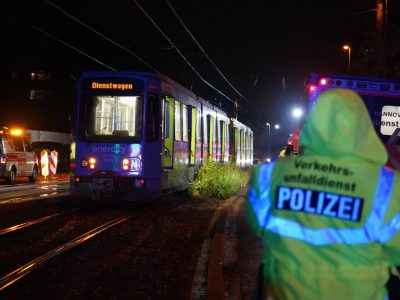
{"type": "Point", "coordinates": [17, 158]}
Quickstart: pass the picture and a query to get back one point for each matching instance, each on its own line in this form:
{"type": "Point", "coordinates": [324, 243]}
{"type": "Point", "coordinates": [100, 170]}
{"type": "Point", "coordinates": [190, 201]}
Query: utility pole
{"type": "Point", "coordinates": [379, 16]}
{"type": "Point", "coordinates": [380, 42]}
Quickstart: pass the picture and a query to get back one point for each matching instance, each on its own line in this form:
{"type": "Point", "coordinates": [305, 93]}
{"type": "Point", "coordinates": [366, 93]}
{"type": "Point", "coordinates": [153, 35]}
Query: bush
{"type": "Point", "coordinates": [218, 181]}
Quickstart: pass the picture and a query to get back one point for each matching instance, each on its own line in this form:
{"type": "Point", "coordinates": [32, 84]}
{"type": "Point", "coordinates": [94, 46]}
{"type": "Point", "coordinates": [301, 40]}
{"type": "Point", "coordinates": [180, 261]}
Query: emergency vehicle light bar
{"type": "Point", "coordinates": [12, 131]}
{"type": "Point", "coordinates": [16, 131]}
{"type": "Point", "coordinates": [358, 84]}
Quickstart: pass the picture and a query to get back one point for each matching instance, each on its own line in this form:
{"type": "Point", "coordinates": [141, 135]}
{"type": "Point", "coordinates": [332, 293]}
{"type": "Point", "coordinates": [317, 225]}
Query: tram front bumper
{"type": "Point", "coordinates": [88, 186]}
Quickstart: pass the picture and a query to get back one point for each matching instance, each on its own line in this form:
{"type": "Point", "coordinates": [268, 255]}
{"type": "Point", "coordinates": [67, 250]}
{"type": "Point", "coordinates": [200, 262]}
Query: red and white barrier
{"type": "Point", "coordinates": [53, 162]}
{"type": "Point", "coordinates": [44, 162]}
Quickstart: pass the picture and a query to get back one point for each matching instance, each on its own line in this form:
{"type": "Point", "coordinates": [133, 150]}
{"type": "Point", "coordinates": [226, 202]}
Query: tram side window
{"type": "Point", "coordinates": [184, 123]}
{"type": "Point", "coordinates": [246, 144]}
{"type": "Point", "coordinates": [178, 123]}
{"type": "Point", "coordinates": [198, 127]}
{"type": "Point", "coordinates": [227, 144]}
{"type": "Point", "coordinates": [152, 118]}
{"type": "Point", "coordinates": [216, 140]}
{"type": "Point", "coordinates": [205, 129]}
{"type": "Point", "coordinates": [251, 144]}
{"type": "Point", "coordinates": [223, 133]}
{"type": "Point", "coordinates": [241, 143]}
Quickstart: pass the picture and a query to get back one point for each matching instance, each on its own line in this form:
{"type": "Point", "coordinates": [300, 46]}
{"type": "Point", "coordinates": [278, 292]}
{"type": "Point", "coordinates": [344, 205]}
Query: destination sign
{"type": "Point", "coordinates": [111, 86]}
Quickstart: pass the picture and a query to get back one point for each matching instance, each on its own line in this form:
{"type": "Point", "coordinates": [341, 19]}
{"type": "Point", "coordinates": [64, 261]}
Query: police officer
{"type": "Point", "coordinates": [330, 218]}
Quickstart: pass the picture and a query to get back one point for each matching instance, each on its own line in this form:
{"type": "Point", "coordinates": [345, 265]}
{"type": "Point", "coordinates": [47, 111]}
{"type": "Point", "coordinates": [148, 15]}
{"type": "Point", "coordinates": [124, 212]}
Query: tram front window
{"type": "Point", "coordinates": [111, 118]}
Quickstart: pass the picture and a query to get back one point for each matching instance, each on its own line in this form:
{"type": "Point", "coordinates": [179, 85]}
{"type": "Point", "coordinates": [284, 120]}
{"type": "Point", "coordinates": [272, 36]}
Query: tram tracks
{"type": "Point", "coordinates": [24, 270]}
{"type": "Point", "coordinates": [149, 213]}
{"type": "Point", "coordinates": [31, 222]}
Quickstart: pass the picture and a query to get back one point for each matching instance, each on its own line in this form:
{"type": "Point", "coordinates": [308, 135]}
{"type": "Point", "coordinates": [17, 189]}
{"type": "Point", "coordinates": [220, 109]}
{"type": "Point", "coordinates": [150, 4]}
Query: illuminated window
{"type": "Point", "coordinates": [241, 142]}
{"type": "Point", "coordinates": [38, 94]}
{"type": "Point", "coordinates": [119, 116]}
{"type": "Point", "coordinates": [40, 75]}
{"type": "Point", "coordinates": [198, 127]}
{"type": "Point", "coordinates": [226, 135]}
{"type": "Point", "coordinates": [215, 139]}
{"type": "Point", "coordinates": [178, 130]}
{"type": "Point", "coordinates": [184, 123]}
{"type": "Point", "coordinates": [205, 130]}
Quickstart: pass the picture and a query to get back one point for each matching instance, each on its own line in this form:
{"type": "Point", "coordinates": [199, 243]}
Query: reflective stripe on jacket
{"type": "Point", "coordinates": [374, 230]}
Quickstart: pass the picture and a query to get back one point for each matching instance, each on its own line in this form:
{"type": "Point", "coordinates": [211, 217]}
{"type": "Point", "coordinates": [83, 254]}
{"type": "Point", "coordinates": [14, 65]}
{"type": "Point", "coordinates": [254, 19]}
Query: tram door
{"type": "Point", "coordinates": [168, 133]}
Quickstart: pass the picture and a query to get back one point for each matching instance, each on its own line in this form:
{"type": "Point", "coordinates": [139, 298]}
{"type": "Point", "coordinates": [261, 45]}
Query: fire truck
{"type": "Point", "coordinates": [381, 97]}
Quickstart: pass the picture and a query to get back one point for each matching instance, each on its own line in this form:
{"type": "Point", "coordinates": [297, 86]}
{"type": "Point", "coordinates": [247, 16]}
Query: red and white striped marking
{"type": "Point", "coordinates": [53, 162]}
{"type": "Point", "coordinates": [44, 162]}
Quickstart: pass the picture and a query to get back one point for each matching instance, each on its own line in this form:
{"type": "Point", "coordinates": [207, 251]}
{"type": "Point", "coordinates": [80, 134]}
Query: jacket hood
{"type": "Point", "coordinates": [339, 126]}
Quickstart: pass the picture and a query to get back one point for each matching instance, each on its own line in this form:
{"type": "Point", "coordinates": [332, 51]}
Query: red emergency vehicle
{"type": "Point", "coordinates": [292, 146]}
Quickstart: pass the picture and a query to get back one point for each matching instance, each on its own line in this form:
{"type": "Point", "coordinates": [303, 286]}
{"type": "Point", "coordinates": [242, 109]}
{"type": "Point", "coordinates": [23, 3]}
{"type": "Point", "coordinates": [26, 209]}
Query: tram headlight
{"type": "Point", "coordinates": [131, 164]}
{"type": "Point", "coordinates": [92, 162]}
{"type": "Point", "coordinates": [125, 164]}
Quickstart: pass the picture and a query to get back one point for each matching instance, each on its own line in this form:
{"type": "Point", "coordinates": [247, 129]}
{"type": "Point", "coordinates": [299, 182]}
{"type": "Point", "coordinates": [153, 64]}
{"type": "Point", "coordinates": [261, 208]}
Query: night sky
{"type": "Point", "coordinates": [254, 44]}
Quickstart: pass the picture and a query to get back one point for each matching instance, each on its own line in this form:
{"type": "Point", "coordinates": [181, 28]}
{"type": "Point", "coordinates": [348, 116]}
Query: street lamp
{"type": "Point", "coordinates": [276, 126]}
{"type": "Point", "coordinates": [269, 139]}
{"type": "Point", "coordinates": [296, 113]}
{"type": "Point", "coordinates": [347, 47]}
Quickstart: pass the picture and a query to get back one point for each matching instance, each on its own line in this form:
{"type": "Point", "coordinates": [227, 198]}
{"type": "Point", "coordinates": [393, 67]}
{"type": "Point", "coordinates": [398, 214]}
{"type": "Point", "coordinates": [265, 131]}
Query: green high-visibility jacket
{"type": "Point", "coordinates": [329, 218]}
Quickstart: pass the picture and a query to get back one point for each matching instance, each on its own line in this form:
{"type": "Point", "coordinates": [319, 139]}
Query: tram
{"type": "Point", "coordinates": [139, 134]}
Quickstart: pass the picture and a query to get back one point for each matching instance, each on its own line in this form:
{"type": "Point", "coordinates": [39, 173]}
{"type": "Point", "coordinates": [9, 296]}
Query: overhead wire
{"type": "Point", "coordinates": [130, 51]}
{"type": "Point", "coordinates": [202, 49]}
{"type": "Point", "coordinates": [349, 15]}
{"type": "Point", "coordinates": [102, 35]}
{"type": "Point", "coordinates": [60, 41]}
{"type": "Point", "coordinates": [181, 54]}
{"type": "Point", "coordinates": [121, 46]}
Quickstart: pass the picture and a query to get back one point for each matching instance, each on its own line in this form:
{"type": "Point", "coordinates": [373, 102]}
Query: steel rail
{"type": "Point", "coordinates": [27, 224]}
{"type": "Point", "coordinates": [34, 222]}
{"type": "Point", "coordinates": [24, 270]}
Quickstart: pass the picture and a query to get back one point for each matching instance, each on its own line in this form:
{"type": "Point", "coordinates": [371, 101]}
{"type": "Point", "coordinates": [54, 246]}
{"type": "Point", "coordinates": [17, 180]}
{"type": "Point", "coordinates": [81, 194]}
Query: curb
{"type": "Point", "coordinates": [216, 275]}
{"type": "Point", "coordinates": [230, 264]}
